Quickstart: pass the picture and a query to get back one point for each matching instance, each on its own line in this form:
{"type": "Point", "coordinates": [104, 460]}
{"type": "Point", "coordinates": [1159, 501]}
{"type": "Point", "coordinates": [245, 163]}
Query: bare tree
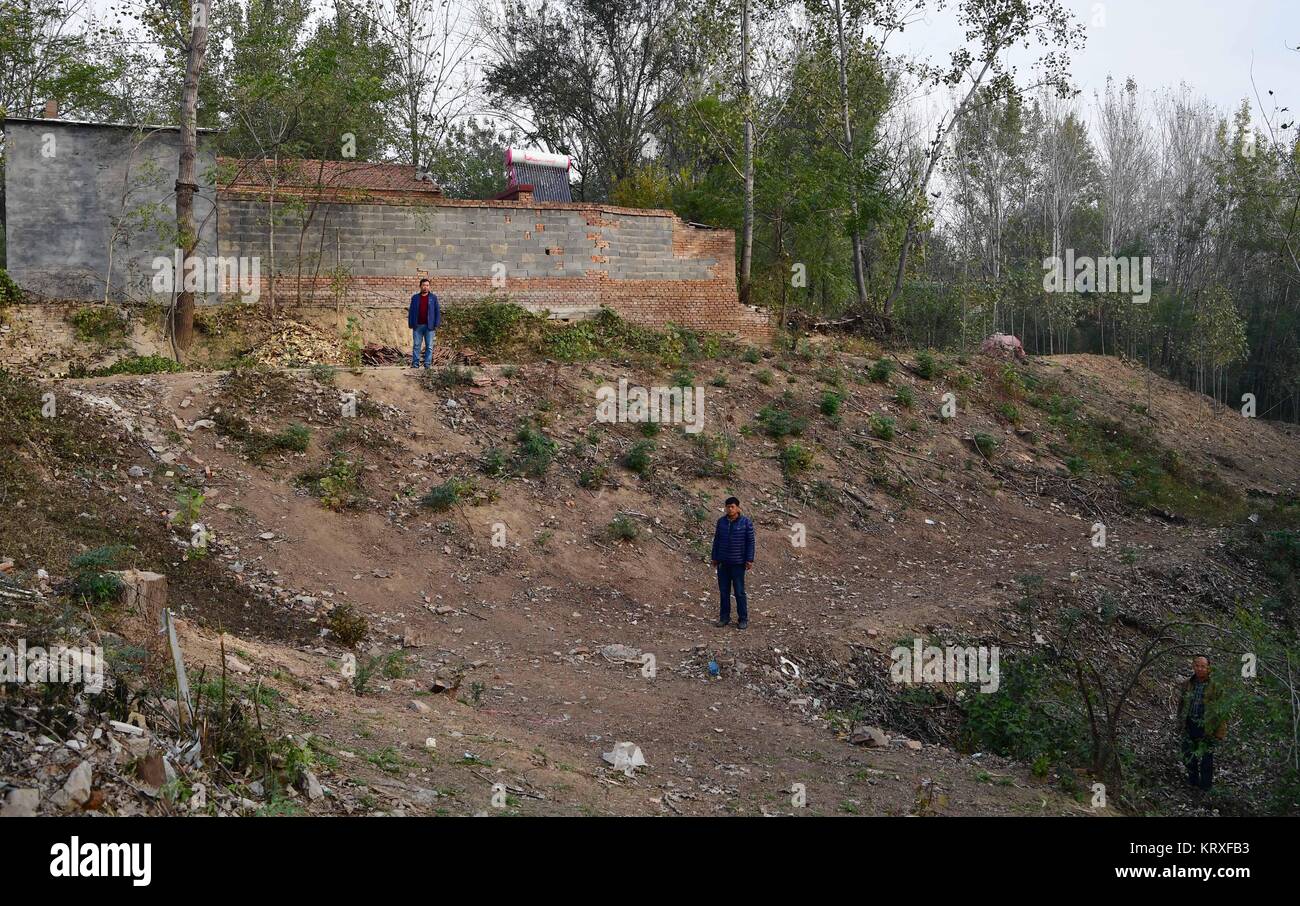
{"type": "Point", "coordinates": [196, 48]}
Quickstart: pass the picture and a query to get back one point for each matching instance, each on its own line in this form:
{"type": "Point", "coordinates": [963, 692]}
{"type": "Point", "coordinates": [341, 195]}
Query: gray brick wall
{"type": "Point", "coordinates": [369, 240]}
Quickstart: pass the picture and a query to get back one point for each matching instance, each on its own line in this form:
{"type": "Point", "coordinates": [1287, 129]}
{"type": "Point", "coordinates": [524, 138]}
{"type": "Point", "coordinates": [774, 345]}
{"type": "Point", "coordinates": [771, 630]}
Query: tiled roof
{"type": "Point", "coordinates": [324, 174]}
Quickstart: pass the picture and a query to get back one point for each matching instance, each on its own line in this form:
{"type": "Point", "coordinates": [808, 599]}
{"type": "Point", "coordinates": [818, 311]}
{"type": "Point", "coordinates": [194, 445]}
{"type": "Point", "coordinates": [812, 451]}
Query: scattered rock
{"type": "Point", "coordinates": [21, 803]}
{"type": "Point", "coordinates": [76, 790]}
{"type": "Point", "coordinates": [871, 737]}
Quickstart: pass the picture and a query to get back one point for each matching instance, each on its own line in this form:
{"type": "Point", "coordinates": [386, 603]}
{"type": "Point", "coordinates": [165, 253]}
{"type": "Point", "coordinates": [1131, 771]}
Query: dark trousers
{"type": "Point", "coordinates": [732, 576]}
{"type": "Point", "coordinates": [1198, 755]}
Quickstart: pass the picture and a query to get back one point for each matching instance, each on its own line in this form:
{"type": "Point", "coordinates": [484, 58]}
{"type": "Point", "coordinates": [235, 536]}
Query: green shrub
{"type": "Point", "coordinates": [623, 528]}
{"type": "Point", "coordinates": [649, 429]}
{"type": "Point", "coordinates": [446, 495]}
{"type": "Point", "coordinates": [339, 488]}
{"type": "Point", "coordinates": [683, 377]}
{"type": "Point", "coordinates": [296, 437]}
{"type": "Point", "coordinates": [764, 377]}
{"type": "Point", "coordinates": [713, 455]}
{"type": "Point", "coordinates": [494, 463]}
{"type": "Point", "coordinates": [450, 376]}
{"type": "Point", "coordinates": [593, 477]}
{"type": "Point", "coordinates": [882, 426]}
{"type": "Point", "coordinates": [905, 397]}
{"type": "Point", "coordinates": [346, 625]}
{"type": "Point", "coordinates": [778, 423]}
{"type": "Point", "coordinates": [98, 324]}
{"type": "Point", "coordinates": [881, 370]}
{"type": "Point", "coordinates": [1018, 721]}
{"type": "Point", "coordinates": [92, 576]}
{"type": "Point", "coordinates": [750, 355]}
{"type": "Point", "coordinates": [831, 402]}
{"type": "Point", "coordinates": [987, 444]}
{"type": "Point", "coordinates": [10, 292]}
{"type": "Point", "coordinates": [1009, 412]}
{"type": "Point", "coordinates": [795, 459]}
{"type": "Point", "coordinates": [640, 458]}
{"type": "Point", "coordinates": [536, 450]}
{"type": "Point", "coordinates": [133, 364]}
{"type": "Point", "coordinates": [926, 365]}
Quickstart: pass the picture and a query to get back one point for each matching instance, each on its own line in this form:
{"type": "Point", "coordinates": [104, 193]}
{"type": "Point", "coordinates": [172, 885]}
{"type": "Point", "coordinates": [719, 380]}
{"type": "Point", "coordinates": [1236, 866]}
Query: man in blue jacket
{"type": "Point", "coordinates": [733, 553]}
{"type": "Point", "coordinates": [423, 319]}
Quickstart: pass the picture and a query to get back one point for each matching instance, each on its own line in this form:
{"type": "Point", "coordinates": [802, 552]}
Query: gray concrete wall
{"type": "Point", "coordinates": [74, 190]}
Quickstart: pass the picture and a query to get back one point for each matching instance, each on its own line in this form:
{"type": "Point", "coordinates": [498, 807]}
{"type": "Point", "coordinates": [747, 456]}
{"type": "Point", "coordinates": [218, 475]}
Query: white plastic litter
{"type": "Point", "coordinates": [625, 757]}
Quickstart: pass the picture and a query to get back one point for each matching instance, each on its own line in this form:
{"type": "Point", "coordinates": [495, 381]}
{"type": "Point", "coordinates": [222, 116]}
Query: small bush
{"type": "Point", "coordinates": [623, 528]}
{"type": "Point", "coordinates": [881, 370]}
{"type": "Point", "coordinates": [323, 374]}
{"type": "Point", "coordinates": [97, 324]}
{"type": "Point", "coordinates": [796, 459]}
{"type": "Point", "coordinates": [495, 463]}
{"type": "Point", "coordinates": [339, 488]}
{"type": "Point", "coordinates": [905, 397]}
{"type": "Point", "coordinates": [296, 437]}
{"type": "Point", "coordinates": [593, 477]}
{"type": "Point", "coordinates": [926, 365]}
{"type": "Point", "coordinates": [987, 444]}
{"type": "Point", "coordinates": [446, 495]}
{"type": "Point", "coordinates": [764, 377]}
{"type": "Point", "coordinates": [1009, 412]}
{"type": "Point", "coordinates": [649, 429]}
{"type": "Point", "coordinates": [750, 355]}
{"type": "Point", "coordinates": [882, 426]}
{"type": "Point", "coordinates": [779, 423]}
{"type": "Point", "coordinates": [831, 402]}
{"type": "Point", "coordinates": [346, 625]}
{"type": "Point", "coordinates": [92, 579]}
{"type": "Point", "coordinates": [450, 376]}
{"type": "Point", "coordinates": [10, 292]}
{"type": "Point", "coordinates": [640, 458]}
{"type": "Point", "coordinates": [536, 450]}
{"type": "Point", "coordinates": [713, 458]}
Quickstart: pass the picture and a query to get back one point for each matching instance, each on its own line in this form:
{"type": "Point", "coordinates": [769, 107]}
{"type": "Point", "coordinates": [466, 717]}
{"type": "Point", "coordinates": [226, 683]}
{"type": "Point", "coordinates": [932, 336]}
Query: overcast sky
{"type": "Point", "coordinates": [1211, 45]}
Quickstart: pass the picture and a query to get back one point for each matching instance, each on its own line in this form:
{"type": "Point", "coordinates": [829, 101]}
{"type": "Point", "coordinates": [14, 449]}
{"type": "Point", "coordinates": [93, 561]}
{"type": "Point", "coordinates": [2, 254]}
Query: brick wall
{"type": "Point", "coordinates": [570, 259]}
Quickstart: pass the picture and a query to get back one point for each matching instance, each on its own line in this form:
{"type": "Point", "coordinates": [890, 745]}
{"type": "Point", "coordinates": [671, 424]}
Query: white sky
{"type": "Point", "coordinates": [1211, 45]}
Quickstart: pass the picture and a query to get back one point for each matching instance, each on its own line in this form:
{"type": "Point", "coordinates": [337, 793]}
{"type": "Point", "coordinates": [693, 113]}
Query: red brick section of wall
{"type": "Point", "coordinates": [703, 304]}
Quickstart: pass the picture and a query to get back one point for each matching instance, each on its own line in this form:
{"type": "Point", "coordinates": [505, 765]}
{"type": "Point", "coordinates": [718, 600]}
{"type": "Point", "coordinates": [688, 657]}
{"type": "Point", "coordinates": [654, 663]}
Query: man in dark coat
{"type": "Point", "coordinates": [733, 554]}
{"type": "Point", "coordinates": [423, 318]}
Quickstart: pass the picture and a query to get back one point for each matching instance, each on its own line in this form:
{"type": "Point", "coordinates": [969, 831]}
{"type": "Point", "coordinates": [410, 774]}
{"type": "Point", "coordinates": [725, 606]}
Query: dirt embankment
{"type": "Point", "coordinates": [551, 572]}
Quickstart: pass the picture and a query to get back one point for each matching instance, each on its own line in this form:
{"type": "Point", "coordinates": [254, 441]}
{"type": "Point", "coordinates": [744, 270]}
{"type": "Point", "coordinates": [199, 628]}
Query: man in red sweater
{"type": "Point", "coordinates": [423, 318]}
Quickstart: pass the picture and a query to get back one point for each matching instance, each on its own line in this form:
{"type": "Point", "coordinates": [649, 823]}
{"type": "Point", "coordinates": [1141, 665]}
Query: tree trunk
{"type": "Point", "coordinates": [186, 231]}
{"type": "Point", "coordinates": [936, 151]}
{"type": "Point", "coordinates": [859, 273]}
{"type": "Point", "coordinates": [747, 239]}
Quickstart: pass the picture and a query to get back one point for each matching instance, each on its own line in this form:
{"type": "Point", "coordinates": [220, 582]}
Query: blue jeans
{"type": "Point", "coordinates": [732, 576]}
{"type": "Point", "coordinates": [427, 335]}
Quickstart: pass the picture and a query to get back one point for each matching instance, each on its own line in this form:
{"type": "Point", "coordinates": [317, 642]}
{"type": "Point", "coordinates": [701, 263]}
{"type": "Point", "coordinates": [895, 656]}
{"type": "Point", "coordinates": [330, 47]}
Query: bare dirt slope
{"type": "Point", "coordinates": [921, 535]}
